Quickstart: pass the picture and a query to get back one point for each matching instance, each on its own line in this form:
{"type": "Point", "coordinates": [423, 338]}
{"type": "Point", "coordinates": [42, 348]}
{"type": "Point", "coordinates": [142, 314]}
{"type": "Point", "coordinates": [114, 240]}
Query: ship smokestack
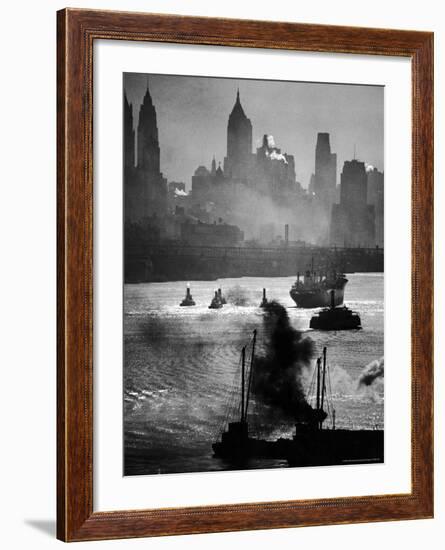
{"type": "Point", "coordinates": [221, 297]}
{"type": "Point", "coordinates": [286, 234]}
{"type": "Point", "coordinates": [264, 300]}
{"type": "Point", "coordinates": [188, 300]}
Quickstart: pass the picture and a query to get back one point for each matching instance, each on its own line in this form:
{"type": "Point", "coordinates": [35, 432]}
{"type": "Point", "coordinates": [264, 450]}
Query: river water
{"type": "Point", "coordinates": [181, 365]}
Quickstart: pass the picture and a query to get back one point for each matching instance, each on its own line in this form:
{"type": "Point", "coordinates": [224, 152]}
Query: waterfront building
{"type": "Point", "coordinates": [211, 234]}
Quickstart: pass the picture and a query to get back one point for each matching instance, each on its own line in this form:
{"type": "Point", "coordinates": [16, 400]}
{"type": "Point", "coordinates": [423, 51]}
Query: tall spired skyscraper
{"type": "Point", "coordinates": [239, 143]}
{"type": "Point", "coordinates": [145, 187]}
{"type": "Point", "coordinates": [148, 141]}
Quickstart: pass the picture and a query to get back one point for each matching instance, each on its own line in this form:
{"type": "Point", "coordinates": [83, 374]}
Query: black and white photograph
{"type": "Point", "coordinates": [253, 294]}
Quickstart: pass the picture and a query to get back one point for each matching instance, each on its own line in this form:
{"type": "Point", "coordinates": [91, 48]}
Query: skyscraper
{"type": "Point", "coordinates": [145, 187]}
{"type": "Point", "coordinates": [239, 143]}
{"type": "Point", "coordinates": [325, 177]}
{"type": "Point", "coordinates": [353, 220]}
{"type": "Point", "coordinates": [376, 197]}
{"type": "Point", "coordinates": [148, 141]}
{"type": "Point", "coordinates": [129, 151]}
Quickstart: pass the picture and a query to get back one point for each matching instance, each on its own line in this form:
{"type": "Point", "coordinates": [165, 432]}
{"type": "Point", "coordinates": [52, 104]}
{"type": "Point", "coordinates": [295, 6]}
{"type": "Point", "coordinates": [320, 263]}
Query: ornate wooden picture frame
{"type": "Point", "coordinates": [77, 31]}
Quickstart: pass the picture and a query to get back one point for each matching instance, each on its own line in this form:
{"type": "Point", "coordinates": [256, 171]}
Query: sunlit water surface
{"type": "Point", "coordinates": [181, 363]}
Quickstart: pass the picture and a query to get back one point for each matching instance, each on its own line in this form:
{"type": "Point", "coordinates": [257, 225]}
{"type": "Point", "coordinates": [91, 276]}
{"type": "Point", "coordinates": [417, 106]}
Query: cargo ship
{"type": "Point", "coordinates": [311, 444]}
{"type": "Point", "coordinates": [313, 289]}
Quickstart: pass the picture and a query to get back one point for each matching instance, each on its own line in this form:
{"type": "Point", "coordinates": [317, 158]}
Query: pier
{"type": "Point", "coordinates": [173, 262]}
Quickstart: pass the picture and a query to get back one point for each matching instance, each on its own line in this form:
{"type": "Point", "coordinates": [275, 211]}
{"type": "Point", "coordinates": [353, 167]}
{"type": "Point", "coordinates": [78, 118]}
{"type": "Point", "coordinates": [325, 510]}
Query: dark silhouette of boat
{"type": "Point", "coordinates": [311, 444]}
{"type": "Point", "coordinates": [188, 300]}
{"type": "Point", "coordinates": [315, 445]}
{"type": "Point", "coordinates": [335, 318]}
{"type": "Point", "coordinates": [313, 289]}
{"type": "Point", "coordinates": [217, 301]}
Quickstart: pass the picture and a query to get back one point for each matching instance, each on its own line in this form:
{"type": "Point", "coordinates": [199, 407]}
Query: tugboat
{"type": "Point", "coordinates": [216, 302]}
{"type": "Point", "coordinates": [188, 300]}
{"type": "Point", "coordinates": [311, 444]}
{"type": "Point", "coordinates": [236, 444]}
{"type": "Point", "coordinates": [312, 290]}
{"type": "Point", "coordinates": [335, 318]}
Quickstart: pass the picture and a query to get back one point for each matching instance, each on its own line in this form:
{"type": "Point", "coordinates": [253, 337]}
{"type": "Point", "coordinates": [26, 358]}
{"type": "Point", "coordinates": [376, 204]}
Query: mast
{"type": "Point", "coordinates": [243, 361]}
{"type": "Point", "coordinates": [323, 383]}
{"type": "Point", "coordinates": [318, 383]}
{"type": "Point", "coordinates": [250, 373]}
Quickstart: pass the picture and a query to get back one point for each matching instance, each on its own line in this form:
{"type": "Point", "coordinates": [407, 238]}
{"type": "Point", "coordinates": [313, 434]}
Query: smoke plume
{"type": "Point", "coordinates": [238, 296]}
{"type": "Point", "coordinates": [373, 371]}
{"type": "Point", "coordinates": [279, 373]}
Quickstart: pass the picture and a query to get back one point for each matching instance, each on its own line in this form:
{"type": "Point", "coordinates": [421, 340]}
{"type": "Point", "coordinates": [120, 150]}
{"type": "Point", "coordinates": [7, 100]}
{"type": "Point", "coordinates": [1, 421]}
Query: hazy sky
{"type": "Point", "coordinates": [192, 115]}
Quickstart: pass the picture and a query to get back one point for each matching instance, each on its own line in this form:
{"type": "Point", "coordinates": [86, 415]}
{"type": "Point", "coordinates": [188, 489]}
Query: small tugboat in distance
{"type": "Point", "coordinates": [335, 318]}
{"type": "Point", "coordinates": [188, 300]}
{"type": "Point", "coordinates": [216, 302]}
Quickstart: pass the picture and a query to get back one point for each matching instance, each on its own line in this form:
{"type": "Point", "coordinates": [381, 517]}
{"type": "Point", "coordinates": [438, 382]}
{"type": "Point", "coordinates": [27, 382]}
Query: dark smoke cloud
{"type": "Point", "coordinates": [278, 375]}
{"type": "Point", "coordinates": [373, 371]}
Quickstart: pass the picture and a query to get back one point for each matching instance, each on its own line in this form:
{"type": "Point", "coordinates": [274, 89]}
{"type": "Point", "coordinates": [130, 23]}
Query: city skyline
{"type": "Point", "coordinates": [296, 112]}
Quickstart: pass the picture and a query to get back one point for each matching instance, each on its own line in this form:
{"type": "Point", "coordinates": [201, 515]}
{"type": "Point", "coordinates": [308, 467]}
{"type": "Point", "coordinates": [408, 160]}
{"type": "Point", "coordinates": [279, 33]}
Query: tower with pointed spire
{"type": "Point", "coordinates": [148, 141]}
{"type": "Point", "coordinates": [145, 186]}
{"type": "Point", "coordinates": [239, 143]}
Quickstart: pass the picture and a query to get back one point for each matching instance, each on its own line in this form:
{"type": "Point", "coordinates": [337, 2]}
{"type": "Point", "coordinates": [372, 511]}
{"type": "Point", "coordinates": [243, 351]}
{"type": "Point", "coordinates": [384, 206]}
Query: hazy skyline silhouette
{"type": "Point", "coordinates": [192, 114]}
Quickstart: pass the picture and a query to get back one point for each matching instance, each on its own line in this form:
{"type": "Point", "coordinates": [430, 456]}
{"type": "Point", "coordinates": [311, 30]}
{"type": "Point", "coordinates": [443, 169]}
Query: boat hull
{"type": "Point", "coordinates": [334, 447]}
{"type": "Point", "coordinates": [335, 319]}
{"type": "Point", "coordinates": [312, 448]}
{"type": "Point", "coordinates": [316, 298]}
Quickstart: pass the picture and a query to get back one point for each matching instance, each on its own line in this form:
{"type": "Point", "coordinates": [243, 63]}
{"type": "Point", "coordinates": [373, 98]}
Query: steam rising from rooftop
{"type": "Point", "coordinates": [270, 141]}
